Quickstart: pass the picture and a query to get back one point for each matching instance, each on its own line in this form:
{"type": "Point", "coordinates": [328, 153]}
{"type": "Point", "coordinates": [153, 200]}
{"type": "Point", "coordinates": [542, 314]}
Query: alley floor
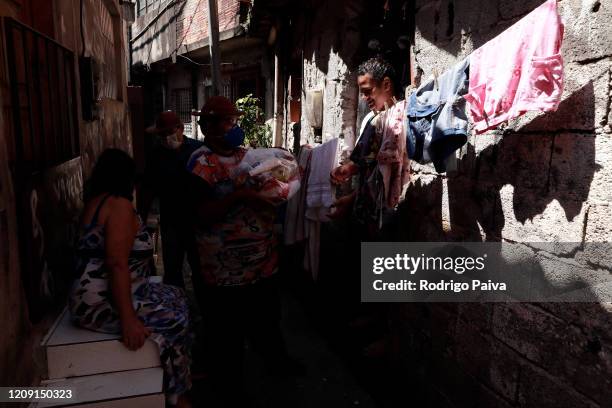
{"type": "Point", "coordinates": [323, 330]}
{"type": "Point", "coordinates": [328, 381]}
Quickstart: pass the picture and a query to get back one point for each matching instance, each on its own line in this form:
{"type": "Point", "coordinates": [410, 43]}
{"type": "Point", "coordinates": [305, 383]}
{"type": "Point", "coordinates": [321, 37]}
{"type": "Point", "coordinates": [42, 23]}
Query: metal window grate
{"type": "Point", "coordinates": [226, 89]}
{"type": "Point", "coordinates": [43, 98]}
{"type": "Point", "coordinates": [181, 100]}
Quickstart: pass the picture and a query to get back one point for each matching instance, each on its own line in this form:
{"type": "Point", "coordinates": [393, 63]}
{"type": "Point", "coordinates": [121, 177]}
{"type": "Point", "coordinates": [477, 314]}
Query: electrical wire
{"type": "Point", "coordinates": [154, 19]}
{"type": "Point", "coordinates": [200, 64]}
{"type": "Point", "coordinates": [195, 11]}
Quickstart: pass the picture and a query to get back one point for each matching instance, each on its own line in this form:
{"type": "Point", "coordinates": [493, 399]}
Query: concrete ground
{"type": "Point", "coordinates": [328, 381]}
{"type": "Point", "coordinates": [318, 334]}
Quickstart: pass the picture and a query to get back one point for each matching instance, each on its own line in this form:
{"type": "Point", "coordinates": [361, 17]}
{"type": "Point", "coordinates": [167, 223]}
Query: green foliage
{"type": "Point", "coordinates": [257, 133]}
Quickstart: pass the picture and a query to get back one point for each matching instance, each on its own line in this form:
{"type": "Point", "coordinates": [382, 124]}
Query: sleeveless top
{"type": "Point", "coordinates": [90, 298]}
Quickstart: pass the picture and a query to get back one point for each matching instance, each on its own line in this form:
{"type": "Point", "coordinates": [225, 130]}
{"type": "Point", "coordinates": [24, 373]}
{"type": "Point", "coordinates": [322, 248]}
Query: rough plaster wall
{"type": "Point", "coordinates": [540, 178]}
{"type": "Point", "coordinates": [314, 79]}
{"type": "Point", "coordinates": [112, 127]}
{"type": "Point", "coordinates": [328, 55]}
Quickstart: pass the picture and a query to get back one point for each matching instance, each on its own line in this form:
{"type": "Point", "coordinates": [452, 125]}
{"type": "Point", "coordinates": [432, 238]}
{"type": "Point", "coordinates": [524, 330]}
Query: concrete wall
{"type": "Point", "coordinates": [53, 195]}
{"type": "Point", "coordinates": [111, 127]}
{"type": "Point", "coordinates": [543, 177]}
{"type": "Point", "coordinates": [332, 37]}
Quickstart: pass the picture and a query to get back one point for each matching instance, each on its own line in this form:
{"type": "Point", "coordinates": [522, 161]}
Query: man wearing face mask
{"type": "Point", "coordinates": [166, 178]}
{"type": "Point", "coordinates": [238, 253]}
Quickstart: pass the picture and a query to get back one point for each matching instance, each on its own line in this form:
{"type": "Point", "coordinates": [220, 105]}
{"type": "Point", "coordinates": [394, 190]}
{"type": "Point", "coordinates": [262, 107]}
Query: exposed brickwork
{"type": "Point", "coordinates": [182, 25]}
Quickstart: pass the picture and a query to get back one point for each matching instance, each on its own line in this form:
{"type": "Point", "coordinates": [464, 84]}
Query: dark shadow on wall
{"type": "Point", "coordinates": [451, 356]}
{"type": "Point", "coordinates": [443, 22]}
{"type": "Point", "coordinates": [541, 166]}
{"type": "Point", "coordinates": [464, 355]}
{"type": "Point", "coordinates": [492, 355]}
{"type": "Point", "coordinates": [356, 31]}
{"type": "Point", "coordinates": [495, 354]}
{"type": "Point", "coordinates": [159, 31]}
{"type": "Point", "coordinates": [331, 27]}
{"type": "Point", "coordinates": [477, 354]}
{"type": "Point", "coordinates": [419, 215]}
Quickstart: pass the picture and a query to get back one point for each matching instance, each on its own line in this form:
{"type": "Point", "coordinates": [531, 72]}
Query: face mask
{"type": "Point", "coordinates": [234, 137]}
{"type": "Point", "coordinates": [172, 142]}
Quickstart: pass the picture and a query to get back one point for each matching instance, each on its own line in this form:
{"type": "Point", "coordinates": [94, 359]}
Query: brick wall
{"type": "Point", "coordinates": [541, 178]}
{"type": "Point", "coordinates": [192, 24]}
{"type": "Point", "coordinates": [182, 25]}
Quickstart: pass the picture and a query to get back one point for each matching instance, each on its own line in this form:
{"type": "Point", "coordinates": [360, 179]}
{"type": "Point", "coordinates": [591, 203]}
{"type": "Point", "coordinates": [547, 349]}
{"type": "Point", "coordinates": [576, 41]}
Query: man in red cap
{"type": "Point", "coordinates": [238, 252]}
{"type": "Point", "coordinates": [167, 178]}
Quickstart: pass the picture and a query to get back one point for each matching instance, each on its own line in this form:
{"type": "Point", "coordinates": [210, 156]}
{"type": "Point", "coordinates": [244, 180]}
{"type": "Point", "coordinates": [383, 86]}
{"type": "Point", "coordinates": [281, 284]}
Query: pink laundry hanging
{"type": "Point", "coordinates": [520, 70]}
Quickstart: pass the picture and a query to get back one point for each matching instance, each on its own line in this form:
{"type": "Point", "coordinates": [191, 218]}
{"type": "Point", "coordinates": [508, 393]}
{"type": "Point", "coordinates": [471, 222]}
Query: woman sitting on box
{"type": "Point", "coordinates": [113, 293]}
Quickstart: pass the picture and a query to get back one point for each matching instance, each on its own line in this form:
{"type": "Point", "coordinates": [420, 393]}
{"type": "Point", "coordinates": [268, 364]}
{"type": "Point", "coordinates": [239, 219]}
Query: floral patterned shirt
{"type": "Point", "coordinates": [241, 247]}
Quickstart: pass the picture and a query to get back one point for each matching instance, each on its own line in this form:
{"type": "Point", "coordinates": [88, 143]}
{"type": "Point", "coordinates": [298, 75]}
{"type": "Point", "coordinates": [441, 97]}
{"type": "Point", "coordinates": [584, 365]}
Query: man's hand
{"type": "Point", "coordinates": [342, 174]}
{"type": "Point", "coordinates": [134, 333]}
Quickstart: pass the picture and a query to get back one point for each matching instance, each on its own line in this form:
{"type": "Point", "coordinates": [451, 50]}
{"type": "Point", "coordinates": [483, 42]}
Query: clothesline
{"type": "Point", "coordinates": [498, 86]}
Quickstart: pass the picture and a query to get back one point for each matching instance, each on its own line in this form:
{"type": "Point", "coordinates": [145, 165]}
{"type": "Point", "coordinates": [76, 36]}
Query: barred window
{"type": "Point", "coordinates": [181, 104]}
{"type": "Point", "coordinates": [43, 99]}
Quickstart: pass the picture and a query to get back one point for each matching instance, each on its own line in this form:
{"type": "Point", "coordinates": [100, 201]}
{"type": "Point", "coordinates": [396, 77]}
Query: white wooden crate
{"type": "Point", "coordinates": [133, 389]}
{"type": "Point", "coordinates": [73, 351]}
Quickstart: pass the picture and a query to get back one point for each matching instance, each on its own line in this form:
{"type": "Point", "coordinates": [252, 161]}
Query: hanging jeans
{"type": "Point", "coordinates": [437, 120]}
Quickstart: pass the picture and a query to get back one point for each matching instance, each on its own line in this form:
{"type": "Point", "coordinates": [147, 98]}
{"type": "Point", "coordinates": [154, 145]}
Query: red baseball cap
{"type": "Point", "coordinates": [219, 106]}
{"type": "Point", "coordinates": [165, 122]}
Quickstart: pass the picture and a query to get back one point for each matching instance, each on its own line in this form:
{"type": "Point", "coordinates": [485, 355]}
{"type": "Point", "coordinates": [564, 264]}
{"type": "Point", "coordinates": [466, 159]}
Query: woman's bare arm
{"type": "Point", "coordinates": [120, 229]}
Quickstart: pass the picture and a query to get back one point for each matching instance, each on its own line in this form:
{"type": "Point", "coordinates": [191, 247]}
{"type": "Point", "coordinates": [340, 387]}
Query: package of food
{"type": "Point", "coordinates": [266, 165]}
{"type": "Point", "coordinates": [271, 162]}
{"type": "Point", "coordinates": [268, 170]}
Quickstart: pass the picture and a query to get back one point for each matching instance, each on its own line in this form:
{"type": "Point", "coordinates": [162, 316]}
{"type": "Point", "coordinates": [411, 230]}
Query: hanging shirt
{"type": "Point", "coordinates": [319, 193]}
{"type": "Point", "coordinates": [520, 70]}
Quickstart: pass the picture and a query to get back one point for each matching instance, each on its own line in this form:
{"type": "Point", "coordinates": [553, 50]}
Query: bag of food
{"type": "Point", "coordinates": [272, 171]}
